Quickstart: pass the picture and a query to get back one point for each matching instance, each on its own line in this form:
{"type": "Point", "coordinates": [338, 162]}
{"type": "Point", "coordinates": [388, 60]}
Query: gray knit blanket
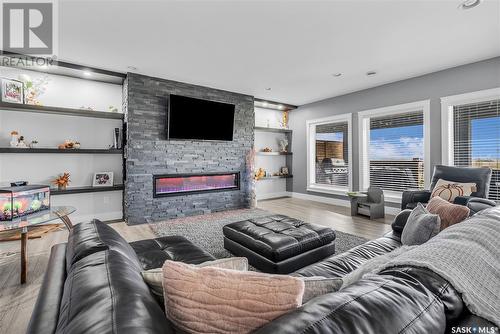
{"type": "Point", "coordinates": [468, 256]}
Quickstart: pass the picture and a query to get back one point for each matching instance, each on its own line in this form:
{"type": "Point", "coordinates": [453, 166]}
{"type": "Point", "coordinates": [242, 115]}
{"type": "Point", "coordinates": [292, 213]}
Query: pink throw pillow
{"type": "Point", "coordinates": [214, 300]}
{"type": "Point", "coordinates": [449, 213]}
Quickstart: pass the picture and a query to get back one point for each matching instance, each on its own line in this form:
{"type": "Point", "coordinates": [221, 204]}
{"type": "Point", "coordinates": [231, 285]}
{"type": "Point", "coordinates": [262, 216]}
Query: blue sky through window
{"type": "Point", "coordinates": [335, 136]}
{"type": "Point", "coordinates": [485, 139]}
{"type": "Point", "coordinates": [400, 143]}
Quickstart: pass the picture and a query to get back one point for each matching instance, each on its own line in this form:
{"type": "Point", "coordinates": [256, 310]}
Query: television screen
{"type": "Point", "coordinates": [190, 118]}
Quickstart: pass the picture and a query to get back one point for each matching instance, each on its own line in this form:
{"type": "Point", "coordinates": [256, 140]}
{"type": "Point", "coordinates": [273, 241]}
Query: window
{"type": "Point", "coordinates": [393, 144]}
{"type": "Point", "coordinates": [472, 126]}
{"type": "Point", "coordinates": [329, 154]}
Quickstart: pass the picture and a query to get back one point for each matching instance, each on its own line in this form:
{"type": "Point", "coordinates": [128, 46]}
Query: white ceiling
{"type": "Point", "coordinates": [292, 47]}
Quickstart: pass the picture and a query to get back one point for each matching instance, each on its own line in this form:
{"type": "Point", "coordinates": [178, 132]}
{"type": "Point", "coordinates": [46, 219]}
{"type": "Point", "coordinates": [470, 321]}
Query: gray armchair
{"type": "Point", "coordinates": [372, 205]}
{"type": "Point", "coordinates": [480, 176]}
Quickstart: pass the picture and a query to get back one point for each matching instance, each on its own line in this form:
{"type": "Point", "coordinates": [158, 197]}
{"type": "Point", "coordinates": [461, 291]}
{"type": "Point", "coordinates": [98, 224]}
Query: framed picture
{"type": "Point", "coordinates": [12, 91]}
{"type": "Point", "coordinates": [103, 179]}
{"type": "Point", "coordinates": [284, 170]}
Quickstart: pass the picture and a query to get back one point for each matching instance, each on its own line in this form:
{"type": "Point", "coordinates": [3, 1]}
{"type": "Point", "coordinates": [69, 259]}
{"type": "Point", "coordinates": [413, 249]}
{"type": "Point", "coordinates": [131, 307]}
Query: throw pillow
{"type": "Point", "coordinates": [448, 190]}
{"type": "Point", "coordinates": [214, 300]}
{"type": "Point", "coordinates": [317, 286]}
{"type": "Point", "coordinates": [154, 277]}
{"type": "Point", "coordinates": [449, 213]}
{"type": "Point", "coordinates": [420, 226]}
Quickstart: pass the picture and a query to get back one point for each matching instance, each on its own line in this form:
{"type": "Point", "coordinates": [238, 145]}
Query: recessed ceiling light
{"type": "Point", "coordinates": [280, 106]}
{"type": "Point", "coordinates": [133, 68]}
{"type": "Point", "coordinates": [337, 74]}
{"type": "Point", "coordinates": [468, 4]}
{"type": "Point", "coordinates": [265, 104]}
{"type": "Point", "coordinates": [371, 73]}
{"type": "Point", "coordinates": [268, 88]}
{"type": "Point", "coordinates": [87, 73]}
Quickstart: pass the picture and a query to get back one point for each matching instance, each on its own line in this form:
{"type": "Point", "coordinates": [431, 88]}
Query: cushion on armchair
{"type": "Point", "coordinates": [449, 213]}
{"type": "Point", "coordinates": [449, 190]}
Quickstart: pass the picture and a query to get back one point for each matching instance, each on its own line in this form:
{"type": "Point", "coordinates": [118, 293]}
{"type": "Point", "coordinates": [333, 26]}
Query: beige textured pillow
{"type": "Point", "coordinates": [154, 277]}
{"type": "Point", "coordinates": [448, 190]}
{"type": "Point", "coordinates": [213, 300]}
{"type": "Point", "coordinates": [449, 213]}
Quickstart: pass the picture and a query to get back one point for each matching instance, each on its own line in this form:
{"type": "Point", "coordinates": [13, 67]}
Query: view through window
{"type": "Point", "coordinates": [396, 151]}
{"type": "Point", "coordinates": [332, 163]}
{"type": "Point", "coordinates": [477, 139]}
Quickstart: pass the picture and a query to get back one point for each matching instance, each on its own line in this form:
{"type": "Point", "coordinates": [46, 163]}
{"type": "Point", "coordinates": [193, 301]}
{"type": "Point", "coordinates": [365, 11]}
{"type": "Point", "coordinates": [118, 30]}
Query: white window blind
{"type": "Point", "coordinates": [332, 158]}
{"type": "Point", "coordinates": [396, 151]}
{"type": "Point", "coordinates": [476, 139]}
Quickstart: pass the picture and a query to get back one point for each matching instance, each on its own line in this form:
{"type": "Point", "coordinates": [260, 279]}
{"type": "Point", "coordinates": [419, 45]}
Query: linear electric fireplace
{"type": "Point", "coordinates": [181, 184]}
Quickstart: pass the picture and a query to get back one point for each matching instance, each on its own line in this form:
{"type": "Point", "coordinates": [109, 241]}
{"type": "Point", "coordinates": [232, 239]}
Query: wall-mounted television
{"type": "Point", "coordinates": [196, 119]}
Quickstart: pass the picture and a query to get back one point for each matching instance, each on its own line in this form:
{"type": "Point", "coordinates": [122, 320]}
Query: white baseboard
{"type": "Point", "coordinates": [338, 201]}
{"type": "Point", "coordinates": [273, 195]}
{"type": "Point", "coordinates": [101, 216]}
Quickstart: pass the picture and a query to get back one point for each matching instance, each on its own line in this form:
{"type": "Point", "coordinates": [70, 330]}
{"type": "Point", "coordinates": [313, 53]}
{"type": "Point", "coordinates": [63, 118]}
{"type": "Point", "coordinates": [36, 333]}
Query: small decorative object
{"type": "Point", "coordinates": [284, 170]}
{"type": "Point", "coordinates": [14, 138]}
{"type": "Point", "coordinates": [34, 144]}
{"type": "Point", "coordinates": [12, 91]}
{"type": "Point", "coordinates": [21, 143]}
{"type": "Point", "coordinates": [112, 109]}
{"type": "Point", "coordinates": [62, 181]}
{"type": "Point", "coordinates": [283, 145]}
{"type": "Point", "coordinates": [87, 108]}
{"type": "Point", "coordinates": [19, 201]}
{"type": "Point", "coordinates": [116, 138]}
{"type": "Point", "coordinates": [68, 145]}
{"type": "Point", "coordinates": [284, 121]}
{"type": "Point", "coordinates": [103, 179]}
{"type": "Point", "coordinates": [260, 173]}
{"type": "Point", "coordinates": [267, 149]}
{"type": "Point", "coordinates": [34, 88]}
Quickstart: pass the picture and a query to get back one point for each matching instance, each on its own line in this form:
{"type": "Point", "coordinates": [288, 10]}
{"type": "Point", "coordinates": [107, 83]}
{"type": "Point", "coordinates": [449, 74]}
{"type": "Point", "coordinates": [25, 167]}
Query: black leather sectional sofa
{"type": "Point", "coordinates": [93, 284]}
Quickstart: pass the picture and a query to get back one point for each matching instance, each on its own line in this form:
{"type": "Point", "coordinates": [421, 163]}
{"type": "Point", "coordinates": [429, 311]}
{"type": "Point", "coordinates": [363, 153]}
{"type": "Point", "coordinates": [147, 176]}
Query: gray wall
{"type": "Point", "coordinates": [457, 80]}
{"type": "Point", "coordinates": [148, 151]}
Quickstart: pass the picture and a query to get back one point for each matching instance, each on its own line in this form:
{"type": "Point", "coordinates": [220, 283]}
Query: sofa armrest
{"type": "Point", "coordinates": [46, 311]}
{"type": "Point", "coordinates": [400, 221]}
{"type": "Point", "coordinates": [476, 204]}
{"type": "Point", "coordinates": [414, 196]}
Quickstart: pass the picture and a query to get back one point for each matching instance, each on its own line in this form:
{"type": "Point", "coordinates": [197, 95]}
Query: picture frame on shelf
{"type": "Point", "coordinates": [102, 179]}
{"type": "Point", "coordinates": [284, 170]}
{"type": "Point", "coordinates": [12, 91]}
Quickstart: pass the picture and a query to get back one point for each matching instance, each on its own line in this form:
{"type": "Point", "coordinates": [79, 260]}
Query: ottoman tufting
{"type": "Point", "coordinates": [279, 244]}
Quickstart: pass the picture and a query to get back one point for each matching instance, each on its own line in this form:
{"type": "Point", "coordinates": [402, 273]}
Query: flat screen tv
{"type": "Point", "coordinates": [190, 118]}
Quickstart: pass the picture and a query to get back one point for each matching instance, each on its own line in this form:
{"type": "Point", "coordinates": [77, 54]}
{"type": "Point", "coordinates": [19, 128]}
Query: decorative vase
{"type": "Point", "coordinates": [61, 187]}
{"type": "Point", "coordinates": [14, 140]}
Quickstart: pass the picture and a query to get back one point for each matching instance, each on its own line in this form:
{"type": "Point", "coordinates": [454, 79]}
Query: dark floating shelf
{"type": "Point", "coordinates": [56, 150]}
{"type": "Point", "coordinates": [274, 153]}
{"type": "Point", "coordinates": [264, 129]}
{"type": "Point", "coordinates": [87, 189]}
{"type": "Point", "coordinates": [275, 177]}
{"type": "Point", "coordinates": [60, 111]}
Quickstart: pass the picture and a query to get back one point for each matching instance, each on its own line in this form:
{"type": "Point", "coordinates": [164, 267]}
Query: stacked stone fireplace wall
{"type": "Point", "coordinates": [148, 152]}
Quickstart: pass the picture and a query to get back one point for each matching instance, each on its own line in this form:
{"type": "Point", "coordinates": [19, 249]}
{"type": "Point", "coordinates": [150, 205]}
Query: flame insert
{"type": "Point", "coordinates": [181, 184]}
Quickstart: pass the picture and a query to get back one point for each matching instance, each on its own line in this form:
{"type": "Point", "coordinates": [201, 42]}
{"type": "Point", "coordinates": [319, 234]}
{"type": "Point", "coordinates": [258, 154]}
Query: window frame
{"type": "Point", "coordinates": [447, 104]}
{"type": "Point", "coordinates": [311, 154]}
{"type": "Point", "coordinates": [364, 142]}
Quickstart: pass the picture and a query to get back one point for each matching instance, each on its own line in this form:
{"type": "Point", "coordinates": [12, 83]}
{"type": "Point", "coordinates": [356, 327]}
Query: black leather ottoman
{"type": "Point", "coordinates": [279, 244]}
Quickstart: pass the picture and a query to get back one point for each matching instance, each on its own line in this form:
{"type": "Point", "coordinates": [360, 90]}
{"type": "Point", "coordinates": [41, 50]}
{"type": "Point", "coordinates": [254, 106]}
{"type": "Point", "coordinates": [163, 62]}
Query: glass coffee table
{"type": "Point", "coordinates": [36, 219]}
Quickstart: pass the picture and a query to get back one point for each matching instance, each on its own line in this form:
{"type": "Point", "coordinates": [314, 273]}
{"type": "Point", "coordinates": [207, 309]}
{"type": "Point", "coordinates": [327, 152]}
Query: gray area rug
{"type": "Point", "coordinates": [206, 230]}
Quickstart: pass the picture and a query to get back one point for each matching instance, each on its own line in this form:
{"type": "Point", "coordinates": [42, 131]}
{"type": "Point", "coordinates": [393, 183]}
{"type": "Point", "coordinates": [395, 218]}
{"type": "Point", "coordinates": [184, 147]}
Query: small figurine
{"type": "Point", "coordinates": [260, 173]}
{"type": "Point", "coordinates": [283, 145]}
{"type": "Point", "coordinates": [21, 143]}
{"type": "Point", "coordinates": [34, 144]}
{"type": "Point", "coordinates": [267, 149]}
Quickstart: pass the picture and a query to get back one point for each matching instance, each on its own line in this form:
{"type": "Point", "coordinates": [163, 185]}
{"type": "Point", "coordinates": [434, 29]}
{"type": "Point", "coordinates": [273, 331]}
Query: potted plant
{"type": "Point", "coordinates": [62, 181]}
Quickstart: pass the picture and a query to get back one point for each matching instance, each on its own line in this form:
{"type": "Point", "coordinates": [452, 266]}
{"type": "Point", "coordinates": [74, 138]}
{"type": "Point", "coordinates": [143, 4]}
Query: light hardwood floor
{"type": "Point", "coordinates": [17, 301]}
